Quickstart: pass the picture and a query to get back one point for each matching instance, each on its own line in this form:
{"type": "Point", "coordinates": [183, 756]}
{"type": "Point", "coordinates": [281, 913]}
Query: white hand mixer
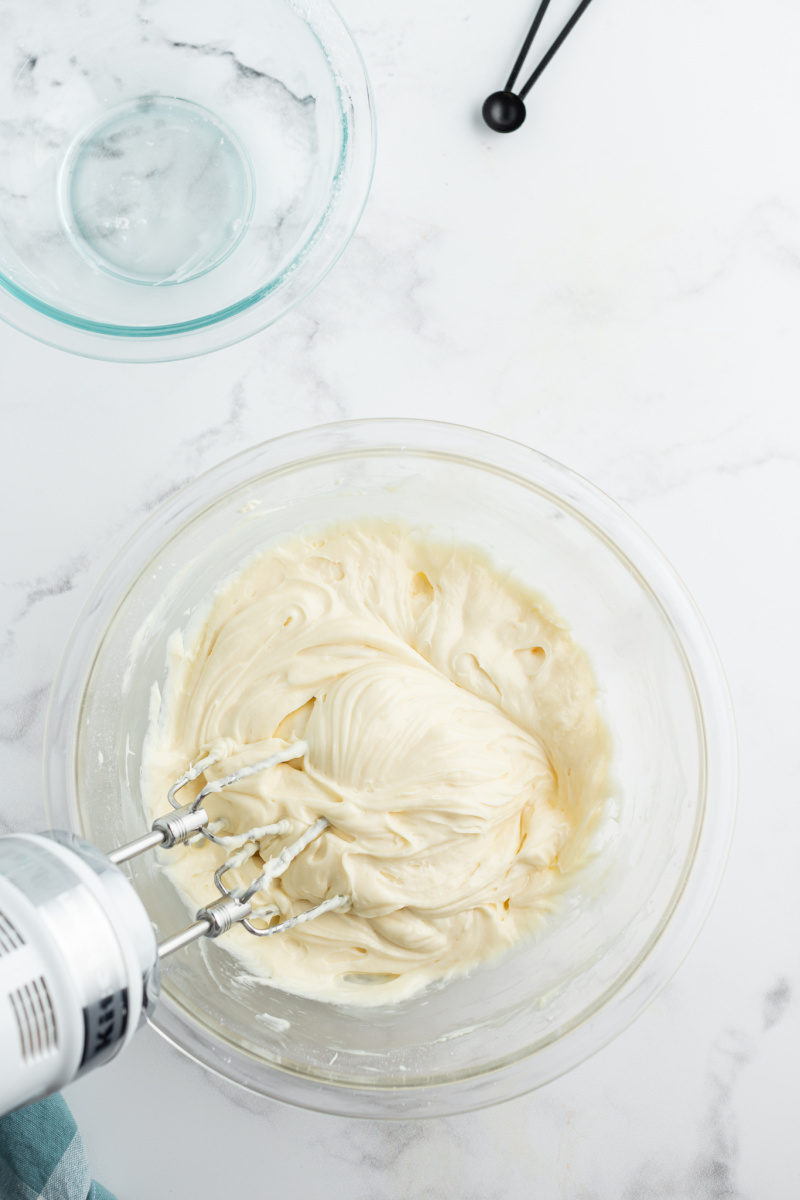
{"type": "Point", "coordinates": [79, 962]}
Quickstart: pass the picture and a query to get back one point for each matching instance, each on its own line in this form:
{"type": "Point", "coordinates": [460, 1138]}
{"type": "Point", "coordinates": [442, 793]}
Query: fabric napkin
{"type": "Point", "coordinates": [42, 1155]}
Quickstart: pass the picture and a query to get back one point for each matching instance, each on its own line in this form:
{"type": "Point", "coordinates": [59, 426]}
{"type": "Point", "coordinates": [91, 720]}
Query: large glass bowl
{"type": "Point", "coordinates": [546, 1005]}
{"type": "Point", "coordinates": [174, 174]}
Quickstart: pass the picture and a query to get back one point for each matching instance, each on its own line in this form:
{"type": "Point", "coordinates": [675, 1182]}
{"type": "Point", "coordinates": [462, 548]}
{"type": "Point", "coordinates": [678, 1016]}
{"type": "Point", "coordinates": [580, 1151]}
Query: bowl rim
{"type": "Point", "coordinates": [692, 901]}
{"type": "Point", "coordinates": [347, 198]}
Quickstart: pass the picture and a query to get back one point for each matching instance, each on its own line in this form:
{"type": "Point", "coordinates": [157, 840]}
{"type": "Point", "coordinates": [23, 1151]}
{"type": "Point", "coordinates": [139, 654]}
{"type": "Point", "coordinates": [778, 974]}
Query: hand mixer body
{"type": "Point", "coordinates": [79, 967]}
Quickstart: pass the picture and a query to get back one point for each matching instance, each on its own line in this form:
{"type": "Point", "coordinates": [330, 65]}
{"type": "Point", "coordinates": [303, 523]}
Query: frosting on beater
{"type": "Point", "coordinates": [454, 745]}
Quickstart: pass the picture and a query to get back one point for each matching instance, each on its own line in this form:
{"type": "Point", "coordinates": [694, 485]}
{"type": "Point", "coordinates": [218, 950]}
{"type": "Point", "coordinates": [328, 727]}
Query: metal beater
{"type": "Point", "coordinates": [235, 904]}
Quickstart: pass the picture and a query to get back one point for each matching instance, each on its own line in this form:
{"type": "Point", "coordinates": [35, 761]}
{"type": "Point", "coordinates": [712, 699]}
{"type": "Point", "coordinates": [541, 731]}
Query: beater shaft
{"type": "Point", "coordinates": [179, 940]}
{"type": "Point", "coordinates": [148, 841]}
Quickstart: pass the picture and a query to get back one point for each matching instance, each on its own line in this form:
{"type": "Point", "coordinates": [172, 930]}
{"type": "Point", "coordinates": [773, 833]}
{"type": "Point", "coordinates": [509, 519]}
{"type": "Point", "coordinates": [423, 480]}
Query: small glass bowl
{"type": "Point", "coordinates": [551, 1001]}
{"type": "Point", "coordinates": [174, 176]}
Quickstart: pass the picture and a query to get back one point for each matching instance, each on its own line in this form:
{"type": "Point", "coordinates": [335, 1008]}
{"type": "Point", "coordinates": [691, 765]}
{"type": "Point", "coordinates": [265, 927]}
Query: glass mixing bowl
{"type": "Point", "coordinates": [550, 1002]}
{"type": "Point", "coordinates": [175, 175]}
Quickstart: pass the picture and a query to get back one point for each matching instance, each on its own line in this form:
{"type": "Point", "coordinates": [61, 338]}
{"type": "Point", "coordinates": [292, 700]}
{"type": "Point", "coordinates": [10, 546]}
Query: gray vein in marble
{"type": "Point", "coordinates": [421, 1191]}
{"type": "Point", "coordinates": [398, 1153]}
{"type": "Point", "coordinates": [651, 487]}
{"type": "Point", "coordinates": [31, 132]}
{"type": "Point", "coordinates": [770, 231]}
{"type": "Point", "coordinates": [772, 227]}
{"type": "Point", "coordinates": [64, 579]}
{"type": "Point", "coordinates": [230, 428]}
{"type": "Point", "coordinates": [714, 1168]}
{"type": "Point", "coordinates": [24, 79]}
{"type": "Point", "coordinates": [20, 715]}
{"type": "Point", "coordinates": [712, 1173]}
{"type": "Point", "coordinates": [371, 265]}
{"type": "Point", "coordinates": [381, 1147]}
{"type": "Point", "coordinates": [242, 70]}
{"type": "Point", "coordinates": [300, 345]}
{"type": "Point", "coordinates": [192, 451]}
{"type": "Point", "coordinates": [378, 282]}
{"type": "Point", "coordinates": [776, 1002]}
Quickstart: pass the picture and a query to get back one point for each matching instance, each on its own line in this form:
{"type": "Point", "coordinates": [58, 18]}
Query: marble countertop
{"type": "Point", "coordinates": [618, 285]}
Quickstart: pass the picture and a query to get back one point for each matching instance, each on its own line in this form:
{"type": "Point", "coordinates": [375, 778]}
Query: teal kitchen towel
{"type": "Point", "coordinates": [42, 1155]}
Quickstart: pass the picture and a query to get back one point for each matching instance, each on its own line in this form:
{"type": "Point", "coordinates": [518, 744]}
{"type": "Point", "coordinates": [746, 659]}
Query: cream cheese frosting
{"type": "Point", "coordinates": [454, 745]}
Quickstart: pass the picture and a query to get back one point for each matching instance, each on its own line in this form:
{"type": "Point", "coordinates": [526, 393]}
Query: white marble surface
{"type": "Point", "coordinates": [618, 284]}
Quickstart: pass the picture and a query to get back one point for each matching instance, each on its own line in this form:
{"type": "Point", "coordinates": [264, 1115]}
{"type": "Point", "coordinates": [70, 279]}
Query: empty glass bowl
{"type": "Point", "coordinates": [174, 176]}
{"type": "Point", "coordinates": [526, 1017]}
